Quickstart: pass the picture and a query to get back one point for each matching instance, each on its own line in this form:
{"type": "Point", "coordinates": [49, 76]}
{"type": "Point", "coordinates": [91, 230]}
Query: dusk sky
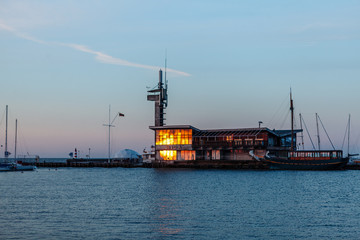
{"type": "Point", "coordinates": [230, 64]}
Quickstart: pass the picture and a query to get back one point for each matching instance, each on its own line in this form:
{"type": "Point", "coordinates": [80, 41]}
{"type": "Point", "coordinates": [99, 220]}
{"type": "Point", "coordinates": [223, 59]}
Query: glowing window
{"type": "Point", "coordinates": [174, 137]}
{"type": "Point", "coordinates": [187, 155]}
{"type": "Point", "coordinates": [168, 155]}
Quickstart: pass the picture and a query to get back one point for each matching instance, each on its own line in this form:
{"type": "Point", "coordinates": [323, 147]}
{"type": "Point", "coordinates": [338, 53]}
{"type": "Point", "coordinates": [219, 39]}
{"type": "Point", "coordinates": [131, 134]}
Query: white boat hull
{"type": "Point", "coordinates": [7, 167]}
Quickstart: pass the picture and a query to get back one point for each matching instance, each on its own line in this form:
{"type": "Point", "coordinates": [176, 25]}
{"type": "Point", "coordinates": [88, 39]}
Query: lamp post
{"type": "Point", "coordinates": [260, 122]}
{"type": "Point", "coordinates": [110, 125]}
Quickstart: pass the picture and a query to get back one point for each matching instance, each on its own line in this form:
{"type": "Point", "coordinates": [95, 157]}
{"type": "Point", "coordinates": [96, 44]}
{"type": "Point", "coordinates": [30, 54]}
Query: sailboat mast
{"type": "Point", "coordinates": [15, 138]}
{"type": "Point", "coordinates": [6, 130]}
{"type": "Point", "coordinates": [292, 121]}
{"type": "Point", "coordinates": [349, 136]}
{"type": "Point", "coordinates": [109, 147]}
{"type": "Point", "coordinates": [317, 128]}
{"type": "Point", "coordinates": [302, 133]}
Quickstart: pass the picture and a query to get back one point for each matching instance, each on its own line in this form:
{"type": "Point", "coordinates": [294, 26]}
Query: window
{"type": "Point", "coordinates": [216, 154]}
{"type": "Point", "coordinates": [259, 141]}
{"type": "Point", "coordinates": [168, 155]}
{"type": "Point", "coordinates": [238, 142]}
{"type": "Point", "coordinates": [174, 137]}
{"type": "Point", "coordinates": [187, 155]}
{"type": "Point", "coordinates": [286, 141]}
{"type": "Point", "coordinates": [248, 142]}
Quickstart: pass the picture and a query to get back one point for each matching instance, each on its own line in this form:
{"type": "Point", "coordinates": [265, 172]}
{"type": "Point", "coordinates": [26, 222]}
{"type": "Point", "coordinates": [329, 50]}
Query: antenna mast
{"type": "Point", "coordinates": [160, 97]}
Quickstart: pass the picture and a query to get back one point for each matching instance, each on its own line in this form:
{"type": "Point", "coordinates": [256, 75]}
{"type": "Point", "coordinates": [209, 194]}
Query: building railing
{"type": "Point", "coordinates": [229, 144]}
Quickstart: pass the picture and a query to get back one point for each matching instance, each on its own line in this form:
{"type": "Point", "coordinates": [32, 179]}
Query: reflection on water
{"type": "Point", "coordinates": [167, 212]}
{"type": "Point", "coordinates": [75, 203]}
{"type": "Point", "coordinates": [167, 217]}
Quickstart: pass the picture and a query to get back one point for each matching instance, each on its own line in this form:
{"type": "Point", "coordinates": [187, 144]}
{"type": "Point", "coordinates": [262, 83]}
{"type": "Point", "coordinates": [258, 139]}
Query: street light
{"type": "Point", "coordinates": [260, 122]}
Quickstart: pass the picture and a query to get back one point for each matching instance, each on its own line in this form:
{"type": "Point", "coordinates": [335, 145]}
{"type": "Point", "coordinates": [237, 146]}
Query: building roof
{"type": "Point", "coordinates": [126, 154]}
{"type": "Point", "coordinates": [239, 132]}
{"type": "Point", "coordinates": [173, 127]}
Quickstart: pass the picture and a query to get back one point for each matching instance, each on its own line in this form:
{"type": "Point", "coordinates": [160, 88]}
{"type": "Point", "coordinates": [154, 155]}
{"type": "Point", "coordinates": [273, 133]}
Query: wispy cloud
{"type": "Point", "coordinates": [104, 58]}
{"type": "Point", "coordinates": [101, 57]}
{"type": "Point", "coordinates": [20, 34]}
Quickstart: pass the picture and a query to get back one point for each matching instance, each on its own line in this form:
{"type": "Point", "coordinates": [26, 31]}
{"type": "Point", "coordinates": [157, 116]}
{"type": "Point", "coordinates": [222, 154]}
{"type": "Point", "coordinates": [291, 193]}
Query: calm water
{"type": "Point", "coordinates": [119, 203]}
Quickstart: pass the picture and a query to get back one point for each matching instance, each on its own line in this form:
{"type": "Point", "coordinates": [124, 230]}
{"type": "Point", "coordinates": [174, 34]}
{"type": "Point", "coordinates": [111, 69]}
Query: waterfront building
{"type": "Point", "coordinates": [185, 142]}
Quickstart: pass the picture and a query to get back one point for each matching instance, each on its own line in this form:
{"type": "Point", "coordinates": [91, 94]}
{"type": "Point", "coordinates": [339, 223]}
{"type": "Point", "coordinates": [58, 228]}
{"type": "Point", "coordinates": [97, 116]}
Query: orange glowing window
{"type": "Point", "coordinates": [229, 138]}
{"type": "Point", "coordinates": [168, 155]}
{"type": "Point", "coordinates": [174, 137]}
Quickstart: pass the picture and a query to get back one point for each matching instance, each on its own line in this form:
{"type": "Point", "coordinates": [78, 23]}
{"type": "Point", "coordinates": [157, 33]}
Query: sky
{"type": "Point", "coordinates": [230, 64]}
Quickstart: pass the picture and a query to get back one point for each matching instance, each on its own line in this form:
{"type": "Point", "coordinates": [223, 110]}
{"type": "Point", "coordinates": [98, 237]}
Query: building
{"type": "Point", "coordinates": [127, 156]}
{"type": "Point", "coordinates": [185, 142]}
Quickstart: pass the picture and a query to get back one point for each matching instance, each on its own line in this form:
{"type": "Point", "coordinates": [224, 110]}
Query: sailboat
{"type": "Point", "coordinates": [294, 159]}
{"type": "Point", "coordinates": [12, 166]}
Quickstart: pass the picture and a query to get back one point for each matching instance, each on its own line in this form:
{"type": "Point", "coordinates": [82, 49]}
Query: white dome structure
{"type": "Point", "coordinates": [127, 154]}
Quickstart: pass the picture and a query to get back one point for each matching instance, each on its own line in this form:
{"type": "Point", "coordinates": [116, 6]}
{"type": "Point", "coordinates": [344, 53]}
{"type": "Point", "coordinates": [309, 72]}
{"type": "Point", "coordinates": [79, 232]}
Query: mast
{"type": "Point", "coordinates": [292, 121]}
{"type": "Point", "coordinates": [110, 125]}
{"type": "Point", "coordinates": [160, 97]}
{"type": "Point", "coordinates": [6, 130]}
{"type": "Point", "coordinates": [16, 122]}
{"type": "Point", "coordinates": [302, 133]}
{"type": "Point", "coordinates": [349, 136]}
{"type": "Point", "coordinates": [317, 128]}
{"type": "Point", "coordinates": [109, 135]}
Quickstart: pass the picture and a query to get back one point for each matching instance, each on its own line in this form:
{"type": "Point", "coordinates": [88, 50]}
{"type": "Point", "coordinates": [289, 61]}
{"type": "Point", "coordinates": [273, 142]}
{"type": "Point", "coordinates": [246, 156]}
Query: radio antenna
{"type": "Point", "coordinates": [165, 68]}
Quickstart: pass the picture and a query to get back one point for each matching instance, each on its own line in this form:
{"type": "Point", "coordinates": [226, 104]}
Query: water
{"type": "Point", "coordinates": [120, 203]}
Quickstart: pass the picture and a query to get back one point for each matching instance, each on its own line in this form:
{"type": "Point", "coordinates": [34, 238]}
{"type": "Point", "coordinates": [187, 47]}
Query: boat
{"type": "Point", "coordinates": [307, 160]}
{"type": "Point", "coordinates": [12, 166]}
{"type": "Point", "coordinates": [7, 166]}
{"type": "Point", "coordinates": [294, 159]}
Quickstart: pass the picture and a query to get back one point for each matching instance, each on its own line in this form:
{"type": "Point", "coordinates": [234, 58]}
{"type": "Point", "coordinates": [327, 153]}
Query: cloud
{"type": "Point", "coordinates": [101, 57]}
{"type": "Point", "coordinates": [104, 58]}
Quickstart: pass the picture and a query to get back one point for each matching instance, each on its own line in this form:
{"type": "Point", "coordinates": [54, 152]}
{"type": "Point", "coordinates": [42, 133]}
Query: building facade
{"type": "Point", "coordinates": [187, 143]}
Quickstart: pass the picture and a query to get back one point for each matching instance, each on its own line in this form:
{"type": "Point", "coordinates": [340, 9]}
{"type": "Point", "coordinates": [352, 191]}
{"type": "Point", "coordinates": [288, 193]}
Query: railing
{"type": "Point", "coordinates": [228, 144]}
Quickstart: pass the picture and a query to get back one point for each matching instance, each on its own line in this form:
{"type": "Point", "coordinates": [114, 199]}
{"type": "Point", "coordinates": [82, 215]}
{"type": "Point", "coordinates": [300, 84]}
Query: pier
{"type": "Point", "coordinates": [211, 164]}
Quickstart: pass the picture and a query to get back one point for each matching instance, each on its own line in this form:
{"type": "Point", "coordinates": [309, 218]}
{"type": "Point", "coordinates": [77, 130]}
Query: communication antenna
{"type": "Point", "coordinates": [166, 81]}
{"type": "Point", "coordinates": [159, 95]}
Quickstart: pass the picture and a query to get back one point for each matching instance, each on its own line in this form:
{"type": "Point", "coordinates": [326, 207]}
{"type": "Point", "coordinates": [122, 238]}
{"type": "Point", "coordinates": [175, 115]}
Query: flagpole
{"type": "Point", "coordinates": [110, 125]}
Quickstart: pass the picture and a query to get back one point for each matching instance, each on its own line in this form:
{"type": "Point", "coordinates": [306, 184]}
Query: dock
{"type": "Point", "coordinates": [210, 164]}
